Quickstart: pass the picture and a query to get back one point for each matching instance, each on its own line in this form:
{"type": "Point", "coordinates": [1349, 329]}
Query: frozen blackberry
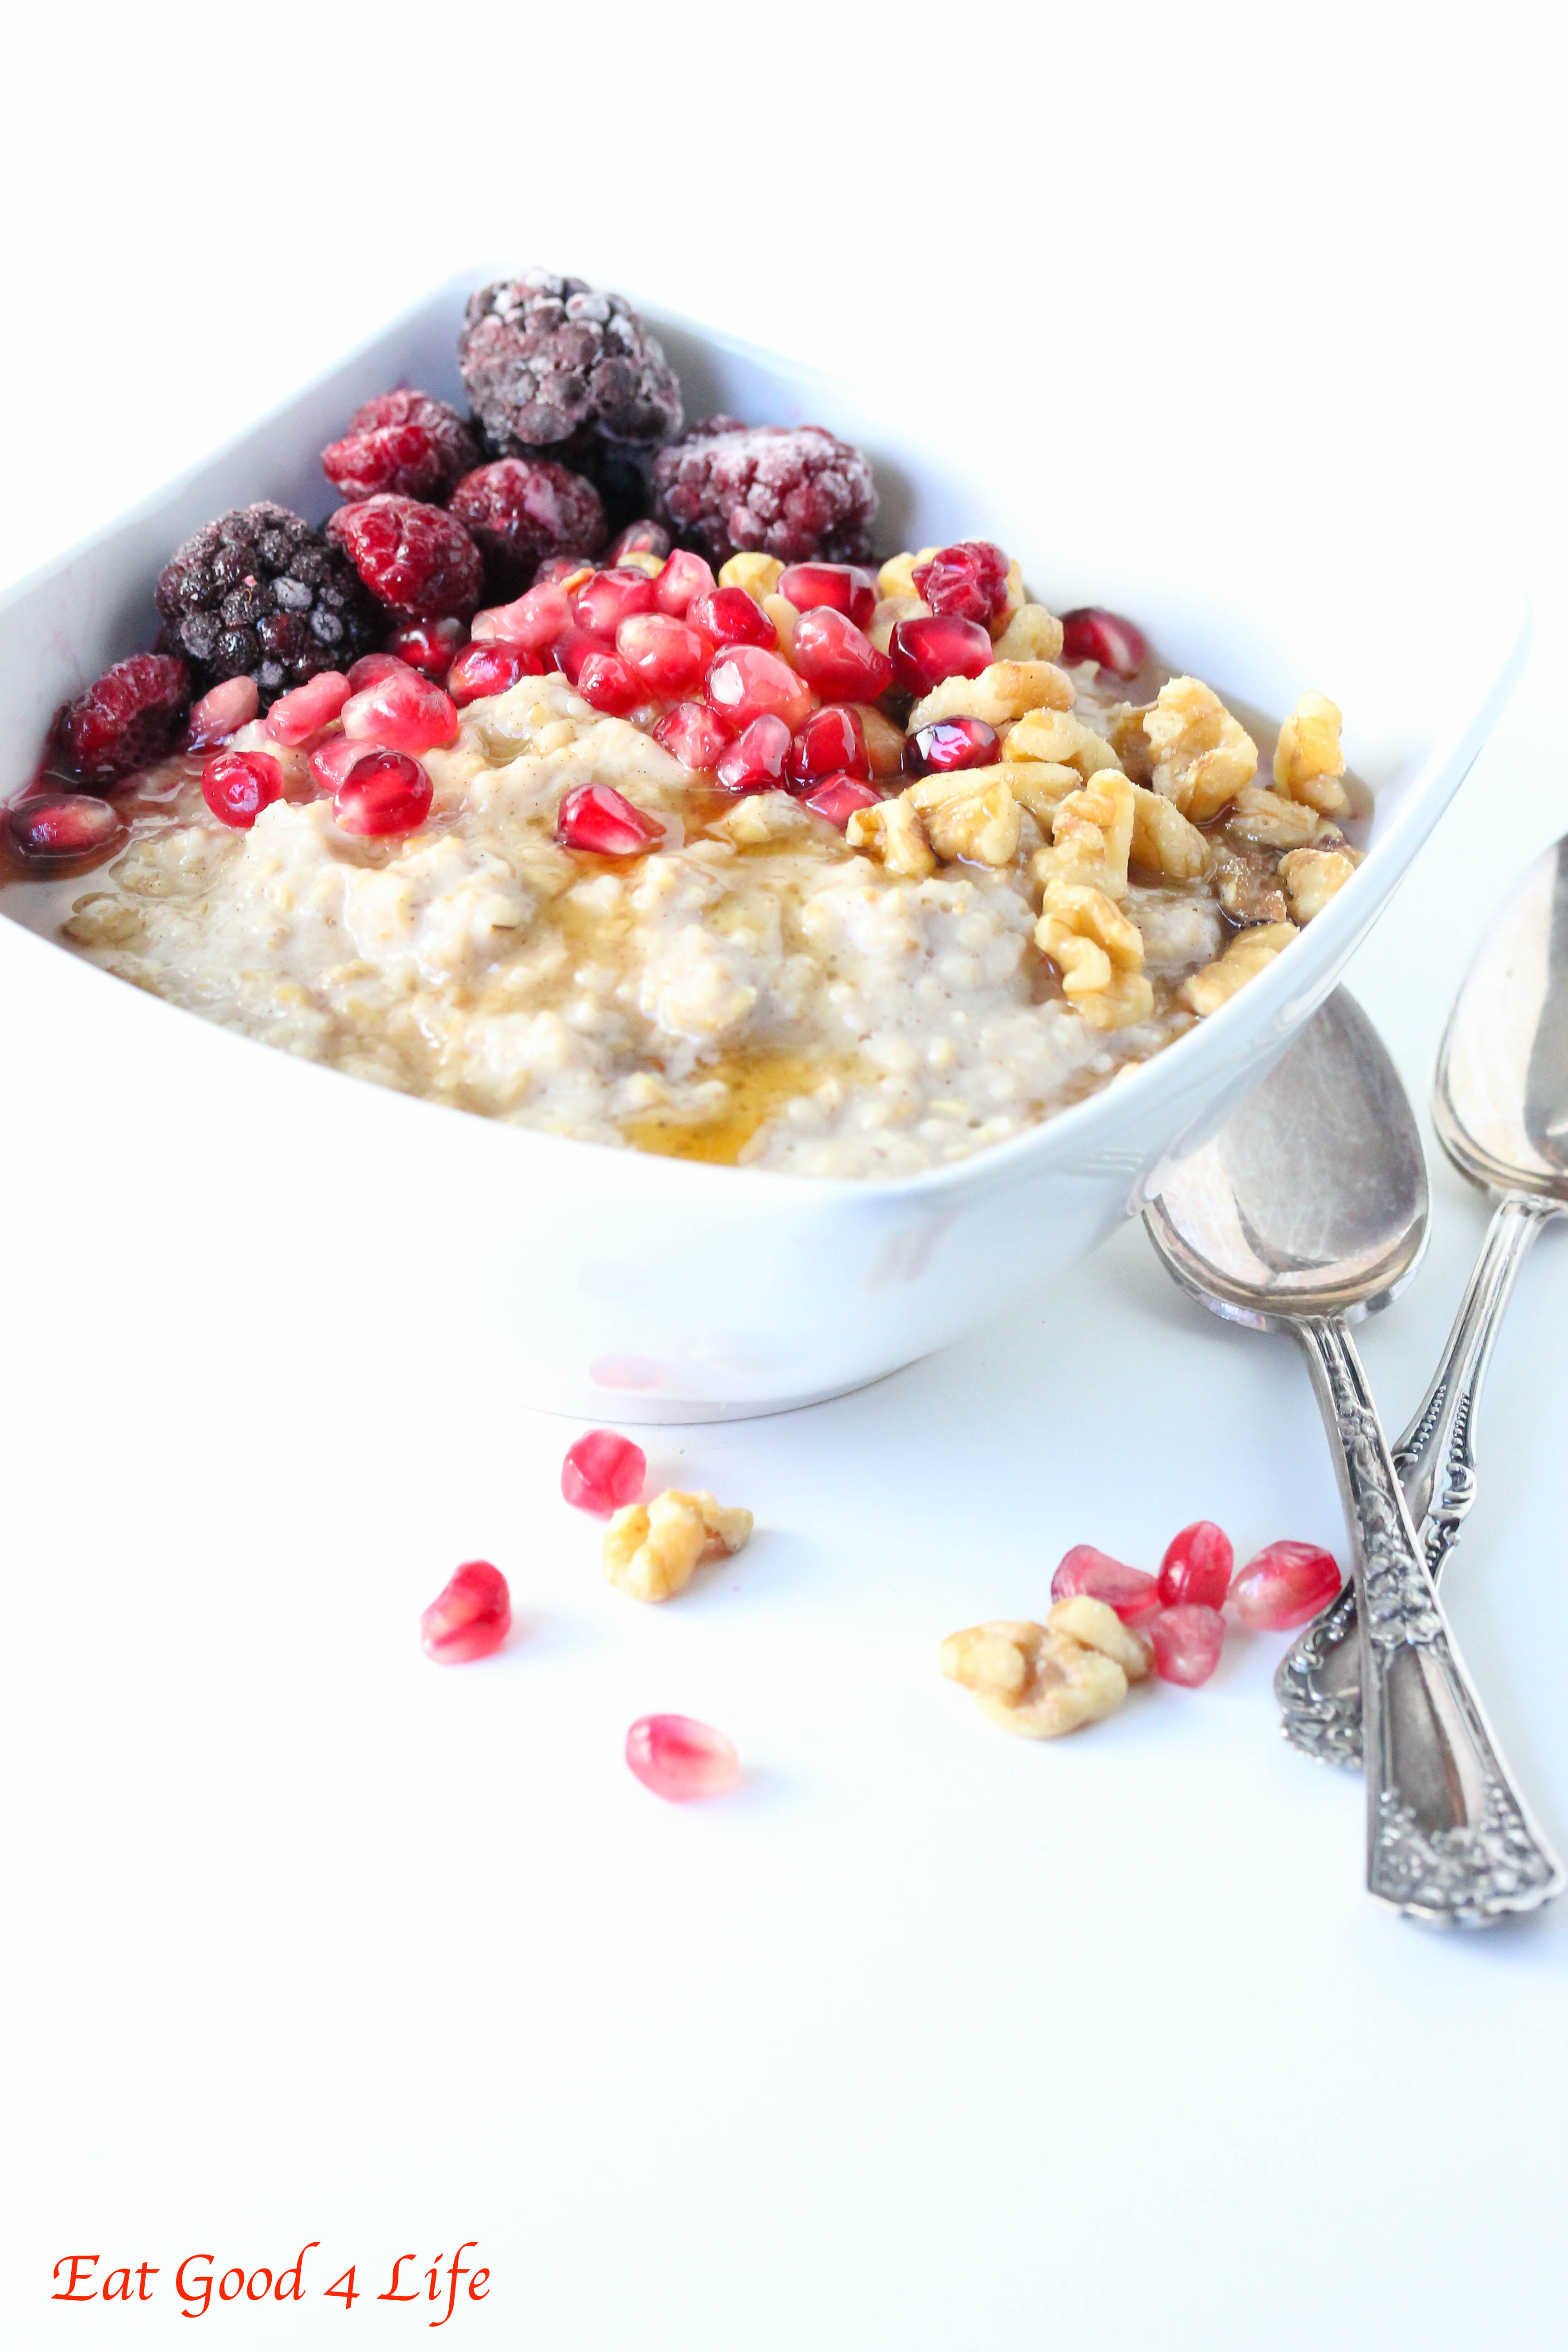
{"type": "Point", "coordinates": [417, 558]}
{"type": "Point", "coordinates": [521, 511]}
{"type": "Point", "coordinates": [258, 594]}
{"type": "Point", "coordinates": [127, 717]}
{"type": "Point", "coordinates": [546, 358]}
{"type": "Point", "coordinates": [789, 490]}
{"type": "Point", "coordinates": [403, 443]}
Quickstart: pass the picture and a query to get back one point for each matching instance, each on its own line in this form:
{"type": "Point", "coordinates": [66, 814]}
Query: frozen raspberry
{"type": "Point", "coordinates": [258, 594]}
{"type": "Point", "coordinates": [416, 558]}
{"type": "Point", "coordinates": [546, 358]}
{"type": "Point", "coordinates": [126, 717]}
{"type": "Point", "coordinates": [404, 442]}
{"type": "Point", "coordinates": [522, 511]}
{"type": "Point", "coordinates": [792, 490]}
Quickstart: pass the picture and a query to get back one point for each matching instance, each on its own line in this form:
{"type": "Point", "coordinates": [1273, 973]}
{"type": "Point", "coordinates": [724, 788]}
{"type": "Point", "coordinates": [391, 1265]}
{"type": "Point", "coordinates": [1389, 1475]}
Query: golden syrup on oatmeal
{"type": "Point", "coordinates": [756, 1087]}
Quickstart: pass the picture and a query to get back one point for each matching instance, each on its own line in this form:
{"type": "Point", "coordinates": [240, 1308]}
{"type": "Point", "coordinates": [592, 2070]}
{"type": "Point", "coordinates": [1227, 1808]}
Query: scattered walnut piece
{"type": "Point", "coordinates": [1099, 954]}
{"type": "Point", "coordinates": [1124, 725]}
{"type": "Point", "coordinates": [1032, 633]}
{"type": "Point", "coordinates": [1038, 785]}
{"type": "Point", "coordinates": [1308, 759]}
{"type": "Point", "coordinates": [1017, 599]}
{"type": "Point", "coordinates": [892, 829]}
{"type": "Point", "coordinates": [1267, 818]}
{"type": "Point", "coordinates": [1004, 689]}
{"type": "Point", "coordinates": [886, 616]}
{"type": "Point", "coordinates": [966, 816]}
{"type": "Point", "coordinates": [1203, 756]}
{"type": "Point", "coordinates": [1097, 1625]}
{"type": "Point", "coordinates": [1248, 953]}
{"type": "Point", "coordinates": [786, 620]}
{"type": "Point", "coordinates": [641, 559]}
{"type": "Point", "coordinates": [1312, 877]}
{"type": "Point", "coordinates": [884, 742]}
{"type": "Point", "coordinates": [651, 1549]}
{"type": "Point", "coordinates": [1164, 841]}
{"type": "Point", "coordinates": [1060, 740]}
{"type": "Point", "coordinates": [1091, 836]}
{"type": "Point", "coordinates": [897, 576]}
{"type": "Point", "coordinates": [1032, 1680]}
{"type": "Point", "coordinates": [1246, 882]}
{"type": "Point", "coordinates": [757, 574]}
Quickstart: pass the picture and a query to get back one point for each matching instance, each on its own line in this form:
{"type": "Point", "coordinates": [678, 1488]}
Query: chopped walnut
{"type": "Point", "coordinates": [1003, 690]}
{"type": "Point", "coordinates": [1060, 740]}
{"type": "Point", "coordinates": [1124, 724]}
{"type": "Point", "coordinates": [1017, 599]}
{"type": "Point", "coordinates": [759, 817]}
{"type": "Point", "coordinates": [1038, 785]}
{"type": "Point", "coordinates": [757, 574]}
{"type": "Point", "coordinates": [1312, 877]}
{"type": "Point", "coordinates": [786, 619]}
{"type": "Point", "coordinates": [1164, 841]}
{"type": "Point", "coordinates": [1246, 882]}
{"type": "Point", "coordinates": [652, 1549]}
{"type": "Point", "coordinates": [1091, 836]}
{"type": "Point", "coordinates": [965, 817]}
{"type": "Point", "coordinates": [1099, 954]}
{"type": "Point", "coordinates": [1097, 1625]}
{"type": "Point", "coordinates": [1032, 633]}
{"type": "Point", "coordinates": [1248, 953]}
{"type": "Point", "coordinates": [886, 616]}
{"type": "Point", "coordinates": [884, 742]}
{"type": "Point", "coordinates": [1032, 1679]}
{"type": "Point", "coordinates": [897, 576]}
{"type": "Point", "coordinates": [892, 829]}
{"type": "Point", "coordinates": [1308, 759]}
{"type": "Point", "coordinates": [1271, 820]}
{"type": "Point", "coordinates": [1203, 756]}
{"type": "Point", "coordinates": [641, 559]}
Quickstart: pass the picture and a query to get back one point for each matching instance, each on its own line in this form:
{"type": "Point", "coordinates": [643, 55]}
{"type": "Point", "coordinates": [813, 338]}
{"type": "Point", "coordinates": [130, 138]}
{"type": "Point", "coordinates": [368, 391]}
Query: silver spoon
{"type": "Point", "coordinates": [1306, 1210]}
{"type": "Point", "coordinates": [1500, 1103]}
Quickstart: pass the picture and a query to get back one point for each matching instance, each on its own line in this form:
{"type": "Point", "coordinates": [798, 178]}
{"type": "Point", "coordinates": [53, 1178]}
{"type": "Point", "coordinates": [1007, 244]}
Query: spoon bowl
{"type": "Point", "coordinates": [1500, 1102]}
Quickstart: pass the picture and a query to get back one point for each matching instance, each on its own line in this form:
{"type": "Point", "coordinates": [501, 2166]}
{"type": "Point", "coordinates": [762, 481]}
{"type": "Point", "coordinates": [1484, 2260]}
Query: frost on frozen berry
{"type": "Point", "coordinates": [258, 594]}
{"type": "Point", "coordinates": [754, 761]}
{"type": "Point", "coordinates": [598, 818]}
{"type": "Point", "coordinates": [837, 798]}
{"type": "Point", "coordinates": [414, 558]}
{"type": "Point", "coordinates": [404, 442]}
{"type": "Point", "coordinates": [692, 734]}
{"type": "Point", "coordinates": [731, 617]}
{"type": "Point", "coordinates": [1197, 1565]}
{"type": "Point", "coordinates": [1126, 1589]}
{"type": "Point", "coordinates": [937, 646]}
{"type": "Point", "coordinates": [429, 646]}
{"type": "Point", "coordinates": [838, 659]}
{"type": "Point", "coordinates": [51, 828]}
{"type": "Point", "coordinates": [603, 1472]}
{"type": "Point", "coordinates": [951, 743]}
{"type": "Point", "coordinates": [831, 743]}
{"type": "Point", "coordinates": [681, 1759]}
{"type": "Point", "coordinates": [126, 718]}
{"type": "Point", "coordinates": [969, 578]}
{"type": "Point", "coordinates": [1187, 1641]}
{"type": "Point", "coordinates": [402, 711]}
{"type": "Point", "coordinates": [469, 1618]}
{"type": "Point", "coordinates": [303, 711]}
{"type": "Point", "coordinates": [845, 587]}
{"type": "Point", "coordinates": [384, 792]}
{"type": "Point", "coordinates": [483, 670]}
{"type": "Point", "coordinates": [237, 785]}
{"type": "Point", "coordinates": [1285, 1585]}
{"type": "Point", "coordinates": [746, 682]}
{"type": "Point", "coordinates": [1091, 634]}
{"type": "Point", "coordinates": [521, 511]}
{"type": "Point", "coordinates": [792, 491]}
{"type": "Point", "coordinates": [548, 360]}
{"type": "Point", "coordinates": [223, 712]}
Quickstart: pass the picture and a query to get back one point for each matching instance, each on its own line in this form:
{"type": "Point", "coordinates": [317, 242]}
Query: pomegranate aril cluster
{"type": "Point", "coordinates": [1179, 1612]}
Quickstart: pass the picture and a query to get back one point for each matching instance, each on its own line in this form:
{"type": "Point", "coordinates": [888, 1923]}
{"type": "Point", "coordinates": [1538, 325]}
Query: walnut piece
{"type": "Point", "coordinates": [1038, 785]}
{"type": "Point", "coordinates": [1017, 598]}
{"type": "Point", "coordinates": [1036, 1680]}
{"type": "Point", "coordinates": [652, 1549]}
{"type": "Point", "coordinates": [785, 618]}
{"type": "Point", "coordinates": [1267, 818]}
{"type": "Point", "coordinates": [1308, 759]}
{"type": "Point", "coordinates": [964, 817]}
{"type": "Point", "coordinates": [897, 576]}
{"type": "Point", "coordinates": [1096, 1626]}
{"type": "Point", "coordinates": [1099, 954]}
{"type": "Point", "coordinates": [1032, 633]}
{"type": "Point", "coordinates": [1246, 882]}
{"type": "Point", "coordinates": [884, 742]}
{"type": "Point", "coordinates": [1003, 690]}
{"type": "Point", "coordinates": [1312, 877]}
{"type": "Point", "coordinates": [1091, 836]}
{"type": "Point", "coordinates": [758, 574]}
{"type": "Point", "coordinates": [893, 832]}
{"type": "Point", "coordinates": [1124, 725]}
{"type": "Point", "coordinates": [1248, 953]}
{"type": "Point", "coordinates": [1203, 756]}
{"type": "Point", "coordinates": [886, 616]}
{"type": "Point", "coordinates": [1164, 841]}
{"type": "Point", "coordinates": [1059, 739]}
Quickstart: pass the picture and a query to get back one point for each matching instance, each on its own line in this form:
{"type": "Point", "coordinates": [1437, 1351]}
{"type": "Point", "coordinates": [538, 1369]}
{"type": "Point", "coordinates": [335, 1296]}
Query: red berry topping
{"type": "Point", "coordinates": [681, 1759]}
{"type": "Point", "coordinates": [949, 743]}
{"type": "Point", "coordinates": [926, 651]}
{"type": "Point", "coordinates": [1197, 1565]}
{"type": "Point", "coordinates": [598, 818]}
{"type": "Point", "coordinates": [483, 670]}
{"type": "Point", "coordinates": [668, 656]}
{"type": "Point", "coordinates": [556, 570]}
{"type": "Point", "coordinates": [571, 649]}
{"type": "Point", "coordinates": [1284, 1585]}
{"type": "Point", "coordinates": [331, 760]}
{"type": "Point", "coordinates": [429, 646]}
{"type": "Point", "coordinates": [692, 734]}
{"type": "Point", "coordinates": [223, 712]}
{"type": "Point", "coordinates": [469, 1618]}
{"type": "Point", "coordinates": [1187, 1641]}
{"type": "Point", "coordinates": [237, 785]}
{"type": "Point", "coordinates": [1091, 634]}
{"type": "Point", "coordinates": [754, 761]}
{"type": "Point", "coordinates": [535, 620]}
{"type": "Point", "coordinates": [746, 682]}
{"type": "Point", "coordinates": [52, 828]}
{"type": "Point", "coordinates": [845, 587]}
{"type": "Point", "coordinates": [731, 617]}
{"type": "Point", "coordinates": [683, 577]}
{"type": "Point", "coordinates": [603, 679]}
{"type": "Point", "coordinates": [603, 1472]}
{"type": "Point", "coordinates": [520, 511]}
{"type": "Point", "coordinates": [839, 797]}
{"type": "Point", "coordinates": [839, 659]}
{"type": "Point", "coordinates": [644, 538]}
{"type": "Point", "coordinates": [794, 492]}
{"type": "Point", "coordinates": [127, 717]}
{"type": "Point", "coordinates": [372, 668]}
{"type": "Point", "coordinates": [297, 716]}
{"type": "Point", "coordinates": [384, 792]}
{"type": "Point", "coordinates": [969, 580]}
{"type": "Point", "coordinates": [401, 442]}
{"type": "Point", "coordinates": [831, 743]}
{"type": "Point", "coordinates": [402, 712]}
{"type": "Point", "coordinates": [417, 558]}
{"type": "Point", "coordinates": [1126, 1589]}
{"type": "Point", "coordinates": [611, 597]}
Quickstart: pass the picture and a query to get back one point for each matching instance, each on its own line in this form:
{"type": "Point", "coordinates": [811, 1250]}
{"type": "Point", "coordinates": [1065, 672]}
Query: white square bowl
{"type": "Point", "coordinates": [612, 1284]}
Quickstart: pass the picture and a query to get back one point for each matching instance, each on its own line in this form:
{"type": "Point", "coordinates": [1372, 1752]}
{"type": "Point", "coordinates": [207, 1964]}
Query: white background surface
{"type": "Point", "coordinates": [930, 2039]}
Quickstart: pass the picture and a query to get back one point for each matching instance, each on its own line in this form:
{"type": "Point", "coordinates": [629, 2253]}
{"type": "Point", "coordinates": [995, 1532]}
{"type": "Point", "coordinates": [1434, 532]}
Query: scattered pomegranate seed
{"type": "Point", "coordinates": [605, 680]}
{"type": "Point", "coordinates": [839, 797]}
{"type": "Point", "coordinates": [483, 670]}
{"type": "Point", "coordinates": [370, 668]}
{"type": "Point", "coordinates": [231, 705]}
{"type": "Point", "coordinates": [597, 817]}
{"type": "Point", "coordinates": [571, 650]}
{"type": "Point", "coordinates": [1126, 1589]}
{"type": "Point", "coordinates": [295, 718]}
{"type": "Point", "coordinates": [403, 711]}
{"type": "Point", "coordinates": [1197, 1565]}
{"type": "Point", "coordinates": [746, 682]}
{"type": "Point", "coordinates": [831, 743]}
{"type": "Point", "coordinates": [237, 785]}
{"type": "Point", "coordinates": [603, 603]}
{"type": "Point", "coordinates": [969, 580]}
{"type": "Point", "coordinates": [950, 743]}
{"type": "Point", "coordinates": [839, 659]}
{"type": "Point", "coordinates": [939, 645]}
{"type": "Point", "coordinates": [1091, 634]}
{"type": "Point", "coordinates": [692, 734]}
{"type": "Point", "coordinates": [1187, 1641]}
{"type": "Point", "coordinates": [839, 587]}
{"type": "Point", "coordinates": [731, 617]}
{"type": "Point", "coordinates": [681, 1759]}
{"type": "Point", "coordinates": [57, 825]}
{"type": "Point", "coordinates": [684, 576]}
{"type": "Point", "coordinates": [644, 538]}
{"type": "Point", "coordinates": [603, 1472]}
{"type": "Point", "coordinates": [754, 761]}
{"type": "Point", "coordinates": [384, 791]}
{"type": "Point", "coordinates": [469, 1617]}
{"type": "Point", "coordinates": [428, 646]}
{"type": "Point", "coordinates": [565, 566]}
{"type": "Point", "coordinates": [535, 620]}
{"type": "Point", "coordinates": [331, 760]}
{"type": "Point", "coordinates": [668, 656]}
{"type": "Point", "coordinates": [1285, 1585]}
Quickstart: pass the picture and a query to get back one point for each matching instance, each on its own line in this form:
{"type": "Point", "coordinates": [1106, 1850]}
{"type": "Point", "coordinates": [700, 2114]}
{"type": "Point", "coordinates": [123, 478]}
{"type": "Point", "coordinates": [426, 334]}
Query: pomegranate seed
{"type": "Point", "coordinates": [330, 761]}
{"type": "Point", "coordinates": [746, 682]}
{"type": "Point", "coordinates": [1126, 1589]}
{"type": "Point", "coordinates": [691, 734]}
{"type": "Point", "coordinates": [839, 797]}
{"type": "Point", "coordinates": [1197, 1565]}
{"type": "Point", "coordinates": [643, 538]}
{"type": "Point", "coordinates": [428, 646]}
{"type": "Point", "coordinates": [533, 620]}
{"type": "Point", "coordinates": [684, 576]}
{"type": "Point", "coordinates": [839, 659]}
{"type": "Point", "coordinates": [1091, 634]}
{"type": "Point", "coordinates": [731, 617]}
{"type": "Point", "coordinates": [384, 791]}
{"type": "Point", "coordinates": [605, 680]}
{"type": "Point", "coordinates": [572, 648]}
{"type": "Point", "coordinates": [1284, 1585]}
{"type": "Point", "coordinates": [969, 580]}
{"type": "Point", "coordinates": [483, 670]}
{"type": "Point", "coordinates": [754, 761]}
{"type": "Point", "coordinates": [603, 1472]}
{"type": "Point", "coordinates": [831, 743]}
{"type": "Point", "coordinates": [62, 824]}
{"type": "Point", "coordinates": [237, 785]}
{"type": "Point", "coordinates": [950, 743]}
{"type": "Point", "coordinates": [370, 668]}
{"type": "Point", "coordinates": [681, 1759]}
{"type": "Point", "coordinates": [1186, 1641]}
{"type": "Point", "coordinates": [295, 718]}
{"type": "Point", "coordinates": [842, 587]}
{"type": "Point", "coordinates": [665, 654]}
{"type": "Point", "coordinates": [566, 566]}
{"type": "Point", "coordinates": [611, 597]}
{"type": "Point", "coordinates": [469, 1617]}
{"type": "Point", "coordinates": [405, 713]}
{"type": "Point", "coordinates": [939, 645]}
{"type": "Point", "coordinates": [597, 817]}
{"type": "Point", "coordinates": [231, 705]}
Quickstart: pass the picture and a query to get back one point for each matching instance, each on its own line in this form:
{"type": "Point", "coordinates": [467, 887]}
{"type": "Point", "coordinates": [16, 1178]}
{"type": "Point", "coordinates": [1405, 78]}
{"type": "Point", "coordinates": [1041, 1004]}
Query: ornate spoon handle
{"type": "Point", "coordinates": [1318, 1680]}
{"type": "Point", "coordinates": [1447, 1838]}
